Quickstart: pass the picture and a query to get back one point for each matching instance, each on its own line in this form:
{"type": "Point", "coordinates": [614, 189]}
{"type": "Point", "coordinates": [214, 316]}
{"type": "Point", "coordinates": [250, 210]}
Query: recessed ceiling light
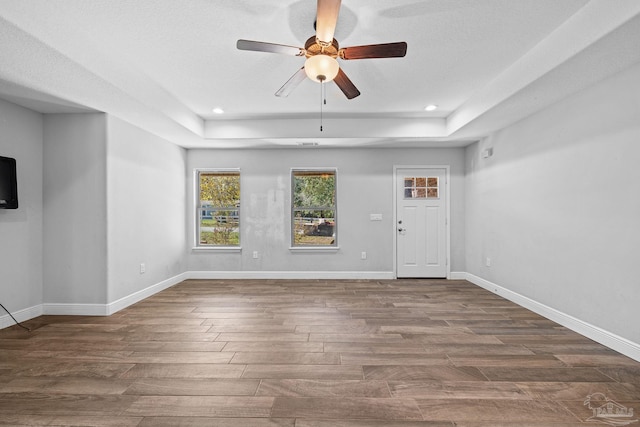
{"type": "Point", "coordinates": [218, 110]}
{"type": "Point", "coordinates": [430, 107]}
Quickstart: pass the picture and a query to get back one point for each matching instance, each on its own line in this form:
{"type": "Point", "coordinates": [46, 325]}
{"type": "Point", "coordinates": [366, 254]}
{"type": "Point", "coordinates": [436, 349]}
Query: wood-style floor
{"type": "Point", "coordinates": [391, 353]}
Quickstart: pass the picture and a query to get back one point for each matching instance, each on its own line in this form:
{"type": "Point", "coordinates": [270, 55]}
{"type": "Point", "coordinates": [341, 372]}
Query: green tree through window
{"type": "Point", "coordinates": [314, 208]}
{"type": "Point", "coordinates": [218, 208]}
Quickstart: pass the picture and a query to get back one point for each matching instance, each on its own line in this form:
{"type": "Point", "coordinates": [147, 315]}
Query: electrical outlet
{"type": "Point", "coordinates": [255, 254]}
{"type": "Point", "coordinates": [143, 268]}
{"type": "Point", "coordinates": [363, 255]}
{"type": "Point", "coordinates": [487, 262]}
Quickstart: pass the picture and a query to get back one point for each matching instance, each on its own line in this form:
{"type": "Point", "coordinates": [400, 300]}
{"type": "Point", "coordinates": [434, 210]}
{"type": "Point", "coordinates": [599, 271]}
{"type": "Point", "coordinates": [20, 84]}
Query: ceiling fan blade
{"type": "Point", "coordinates": [345, 85]}
{"type": "Point", "coordinates": [269, 47]}
{"type": "Point", "coordinates": [383, 50]}
{"type": "Point", "coordinates": [292, 83]}
{"type": "Point", "coordinates": [326, 19]}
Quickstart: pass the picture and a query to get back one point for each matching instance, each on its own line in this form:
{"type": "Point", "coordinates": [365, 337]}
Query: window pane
{"type": "Point", "coordinates": [220, 228]}
{"type": "Point", "coordinates": [313, 208]}
{"type": "Point", "coordinates": [219, 208]}
{"type": "Point", "coordinates": [220, 189]}
{"type": "Point", "coordinates": [314, 189]}
{"type": "Point", "coordinates": [432, 190]}
{"type": "Point", "coordinates": [314, 228]}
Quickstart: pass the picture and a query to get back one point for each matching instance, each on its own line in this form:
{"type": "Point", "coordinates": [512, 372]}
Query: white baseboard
{"type": "Point", "coordinates": [108, 309]}
{"type": "Point", "coordinates": [609, 339]}
{"type": "Point", "coordinates": [144, 293]}
{"type": "Point", "coordinates": [306, 275]}
{"type": "Point", "coordinates": [61, 309]}
{"type": "Point", "coordinates": [21, 316]}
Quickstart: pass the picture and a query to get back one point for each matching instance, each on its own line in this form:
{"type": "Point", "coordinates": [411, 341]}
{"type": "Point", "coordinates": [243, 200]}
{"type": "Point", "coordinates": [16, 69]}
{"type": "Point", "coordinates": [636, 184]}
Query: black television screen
{"type": "Point", "coordinates": [8, 183]}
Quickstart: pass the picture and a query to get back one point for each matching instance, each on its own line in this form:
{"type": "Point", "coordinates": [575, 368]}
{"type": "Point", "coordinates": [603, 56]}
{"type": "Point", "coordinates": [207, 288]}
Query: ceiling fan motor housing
{"type": "Point", "coordinates": [313, 47]}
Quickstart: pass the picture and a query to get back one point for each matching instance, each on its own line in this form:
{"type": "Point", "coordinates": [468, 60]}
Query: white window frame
{"type": "Point", "coordinates": [198, 208]}
{"type": "Point", "coordinates": [332, 247]}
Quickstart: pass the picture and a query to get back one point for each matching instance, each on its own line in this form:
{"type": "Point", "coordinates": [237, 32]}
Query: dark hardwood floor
{"type": "Point", "coordinates": [263, 353]}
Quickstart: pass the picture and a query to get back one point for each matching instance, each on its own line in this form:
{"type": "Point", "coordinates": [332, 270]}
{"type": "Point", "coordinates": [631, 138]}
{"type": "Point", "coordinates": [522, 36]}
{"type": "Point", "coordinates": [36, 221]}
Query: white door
{"type": "Point", "coordinates": [421, 222]}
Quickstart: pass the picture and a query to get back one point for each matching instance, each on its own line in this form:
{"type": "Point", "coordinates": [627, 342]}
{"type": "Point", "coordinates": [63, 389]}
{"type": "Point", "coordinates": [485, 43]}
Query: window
{"type": "Point", "coordinates": [218, 207]}
{"type": "Point", "coordinates": [421, 188]}
{"type": "Point", "coordinates": [313, 212]}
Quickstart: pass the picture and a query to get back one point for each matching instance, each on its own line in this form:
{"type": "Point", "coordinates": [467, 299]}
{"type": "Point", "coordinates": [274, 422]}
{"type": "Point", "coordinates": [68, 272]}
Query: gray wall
{"type": "Point", "coordinates": [21, 229]}
{"type": "Point", "coordinates": [365, 186]}
{"type": "Point", "coordinates": [146, 209]}
{"type": "Point", "coordinates": [557, 206]}
{"type": "Point", "coordinates": [106, 198]}
{"type": "Point", "coordinates": [75, 203]}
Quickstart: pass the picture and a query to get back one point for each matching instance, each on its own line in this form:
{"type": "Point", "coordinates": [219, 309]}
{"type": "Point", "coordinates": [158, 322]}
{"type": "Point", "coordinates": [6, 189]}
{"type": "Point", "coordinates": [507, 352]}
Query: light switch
{"type": "Point", "coordinates": [375, 217]}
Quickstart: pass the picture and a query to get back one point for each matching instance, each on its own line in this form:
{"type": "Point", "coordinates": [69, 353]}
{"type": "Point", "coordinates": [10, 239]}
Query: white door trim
{"type": "Point", "coordinates": [447, 169]}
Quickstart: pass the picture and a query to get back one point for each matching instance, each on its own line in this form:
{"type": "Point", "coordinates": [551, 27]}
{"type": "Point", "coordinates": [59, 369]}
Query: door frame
{"type": "Point", "coordinates": [447, 197]}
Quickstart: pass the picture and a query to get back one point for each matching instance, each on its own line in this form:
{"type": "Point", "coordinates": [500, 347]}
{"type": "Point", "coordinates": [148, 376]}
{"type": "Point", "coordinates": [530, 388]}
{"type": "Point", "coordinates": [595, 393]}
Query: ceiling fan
{"type": "Point", "coordinates": [322, 51]}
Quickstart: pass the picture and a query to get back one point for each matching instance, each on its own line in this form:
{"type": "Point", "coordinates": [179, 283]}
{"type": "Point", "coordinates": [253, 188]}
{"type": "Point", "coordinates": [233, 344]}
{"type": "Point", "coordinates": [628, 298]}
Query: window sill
{"type": "Point", "coordinates": [217, 249]}
{"type": "Point", "coordinates": [314, 248]}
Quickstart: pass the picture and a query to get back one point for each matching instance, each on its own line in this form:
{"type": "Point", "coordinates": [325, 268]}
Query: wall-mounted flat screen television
{"type": "Point", "coordinates": [8, 183]}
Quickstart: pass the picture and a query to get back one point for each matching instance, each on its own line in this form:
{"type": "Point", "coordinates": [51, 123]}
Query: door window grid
{"type": "Point", "coordinates": [421, 187]}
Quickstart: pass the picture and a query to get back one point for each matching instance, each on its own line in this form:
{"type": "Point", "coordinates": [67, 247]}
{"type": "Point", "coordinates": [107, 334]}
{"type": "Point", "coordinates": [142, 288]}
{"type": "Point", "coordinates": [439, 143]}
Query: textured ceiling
{"type": "Point", "coordinates": [164, 65]}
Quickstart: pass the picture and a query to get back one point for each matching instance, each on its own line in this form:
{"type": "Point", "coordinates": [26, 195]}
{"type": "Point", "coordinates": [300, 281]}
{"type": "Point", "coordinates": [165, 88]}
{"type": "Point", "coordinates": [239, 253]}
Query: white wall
{"type": "Point", "coordinates": [557, 207]}
{"type": "Point", "coordinates": [21, 229]}
{"type": "Point", "coordinates": [146, 209]}
{"type": "Point", "coordinates": [75, 203]}
{"type": "Point", "coordinates": [365, 186]}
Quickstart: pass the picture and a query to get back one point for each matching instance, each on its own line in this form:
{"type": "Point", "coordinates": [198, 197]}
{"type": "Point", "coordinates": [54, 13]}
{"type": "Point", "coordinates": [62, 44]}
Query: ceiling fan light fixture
{"type": "Point", "coordinates": [321, 68]}
{"type": "Point", "coordinates": [322, 51]}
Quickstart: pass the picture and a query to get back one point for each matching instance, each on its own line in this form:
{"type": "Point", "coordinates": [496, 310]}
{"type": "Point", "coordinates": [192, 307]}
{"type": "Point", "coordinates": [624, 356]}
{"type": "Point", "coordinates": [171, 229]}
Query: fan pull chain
{"type": "Point", "coordinates": [321, 99]}
{"type": "Point", "coordinates": [324, 93]}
